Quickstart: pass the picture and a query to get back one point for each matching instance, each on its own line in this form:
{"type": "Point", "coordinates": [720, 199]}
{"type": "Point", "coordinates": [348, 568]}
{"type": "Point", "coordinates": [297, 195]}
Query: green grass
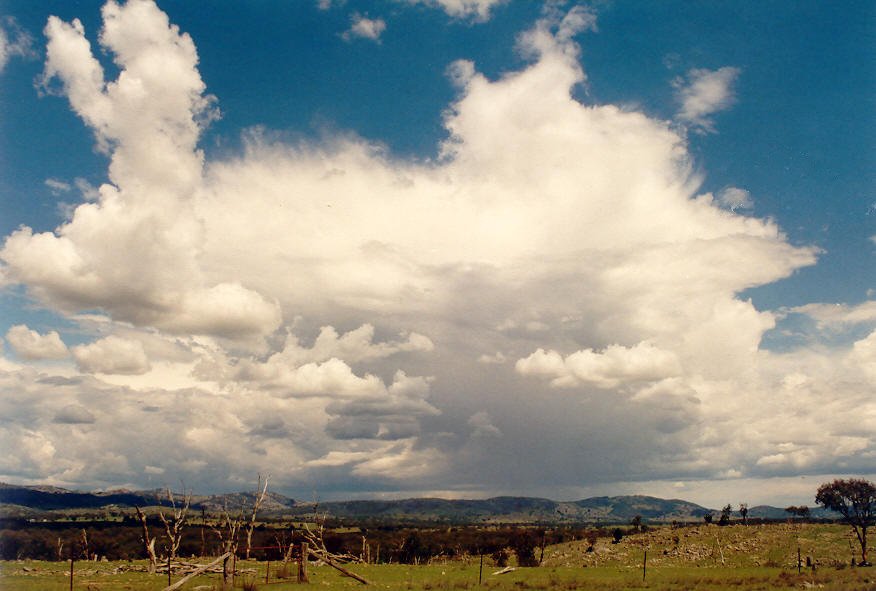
{"type": "Point", "coordinates": [704, 558]}
{"type": "Point", "coordinates": [48, 576]}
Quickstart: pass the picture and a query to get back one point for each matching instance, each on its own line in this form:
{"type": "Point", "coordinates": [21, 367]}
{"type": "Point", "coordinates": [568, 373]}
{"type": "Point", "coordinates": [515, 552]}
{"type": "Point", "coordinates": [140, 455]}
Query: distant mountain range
{"type": "Point", "coordinates": [30, 501]}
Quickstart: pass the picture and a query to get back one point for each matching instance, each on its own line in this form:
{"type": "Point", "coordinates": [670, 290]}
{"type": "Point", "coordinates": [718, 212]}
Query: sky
{"type": "Point", "coordinates": [456, 248]}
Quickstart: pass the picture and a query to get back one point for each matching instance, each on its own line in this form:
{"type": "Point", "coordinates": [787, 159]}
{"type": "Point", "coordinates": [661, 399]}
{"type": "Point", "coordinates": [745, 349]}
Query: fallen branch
{"type": "Point", "coordinates": [328, 561]}
{"type": "Point", "coordinates": [506, 570]}
{"type": "Point", "coordinates": [185, 579]}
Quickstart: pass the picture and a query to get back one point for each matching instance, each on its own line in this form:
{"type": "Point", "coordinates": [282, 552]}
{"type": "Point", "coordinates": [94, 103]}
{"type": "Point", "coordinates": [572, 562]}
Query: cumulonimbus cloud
{"type": "Point", "coordinates": [335, 323]}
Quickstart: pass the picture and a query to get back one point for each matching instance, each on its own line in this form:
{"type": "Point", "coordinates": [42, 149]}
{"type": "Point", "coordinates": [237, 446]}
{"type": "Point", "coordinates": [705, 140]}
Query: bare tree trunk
{"type": "Point", "coordinates": [203, 532]}
{"type": "Point", "coordinates": [148, 543]}
{"type": "Point", "coordinates": [85, 552]}
{"type": "Point", "coordinates": [257, 503]}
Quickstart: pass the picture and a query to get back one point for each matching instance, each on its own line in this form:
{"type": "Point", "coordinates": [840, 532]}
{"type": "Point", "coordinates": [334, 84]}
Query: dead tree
{"type": "Point", "coordinates": [316, 541]}
{"type": "Point", "coordinates": [86, 553]}
{"type": "Point", "coordinates": [173, 526]}
{"type": "Point", "coordinates": [148, 542]}
{"type": "Point", "coordinates": [228, 532]}
{"type": "Point", "coordinates": [257, 503]}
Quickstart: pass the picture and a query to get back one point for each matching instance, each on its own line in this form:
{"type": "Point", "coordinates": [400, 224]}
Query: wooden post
{"type": "Point", "coordinates": [71, 570]}
{"type": "Point", "coordinates": [645, 565]}
{"type": "Point", "coordinates": [302, 563]}
{"type": "Point", "coordinates": [168, 570]}
{"type": "Point", "coordinates": [799, 562]}
{"type": "Point", "coordinates": [268, 572]}
{"type": "Point", "coordinates": [481, 572]}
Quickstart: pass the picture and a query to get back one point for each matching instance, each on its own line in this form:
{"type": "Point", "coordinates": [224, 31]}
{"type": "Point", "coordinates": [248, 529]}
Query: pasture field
{"type": "Point", "coordinates": [701, 558]}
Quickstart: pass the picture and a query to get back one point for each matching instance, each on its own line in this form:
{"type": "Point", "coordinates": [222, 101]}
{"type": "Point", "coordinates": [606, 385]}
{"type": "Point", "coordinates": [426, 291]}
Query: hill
{"type": "Point", "coordinates": [28, 501]}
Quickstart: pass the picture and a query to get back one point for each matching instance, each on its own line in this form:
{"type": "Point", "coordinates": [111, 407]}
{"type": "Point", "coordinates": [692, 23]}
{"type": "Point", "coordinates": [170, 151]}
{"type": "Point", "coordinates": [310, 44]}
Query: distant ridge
{"type": "Point", "coordinates": [27, 500]}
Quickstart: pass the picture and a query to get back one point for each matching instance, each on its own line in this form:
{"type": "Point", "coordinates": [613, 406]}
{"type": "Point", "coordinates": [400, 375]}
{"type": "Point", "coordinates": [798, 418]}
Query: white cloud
{"type": "Point", "coordinates": [704, 93]}
{"type": "Point", "coordinates": [112, 355]}
{"type": "Point", "coordinates": [57, 187]}
{"type": "Point", "coordinates": [476, 9]}
{"type": "Point", "coordinates": [863, 355]}
{"type": "Point", "coordinates": [838, 316]}
{"type": "Point", "coordinates": [14, 41]}
{"type": "Point", "coordinates": [29, 344]}
{"type": "Point", "coordinates": [365, 28]}
{"type": "Point", "coordinates": [401, 462]}
{"type": "Point", "coordinates": [614, 366]}
{"type": "Point", "coordinates": [149, 120]}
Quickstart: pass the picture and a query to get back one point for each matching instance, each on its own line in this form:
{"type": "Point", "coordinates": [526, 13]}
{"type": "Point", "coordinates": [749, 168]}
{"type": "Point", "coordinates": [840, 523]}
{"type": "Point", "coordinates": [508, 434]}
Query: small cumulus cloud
{"type": "Point", "coordinates": [704, 93]}
{"type": "Point", "coordinates": [733, 198]}
{"type": "Point", "coordinates": [29, 344]}
{"type": "Point", "coordinates": [365, 28]}
{"type": "Point", "coordinates": [482, 425]}
{"type": "Point", "coordinates": [478, 10]}
{"type": "Point", "coordinates": [496, 358]}
{"type": "Point", "coordinates": [610, 368]}
{"type": "Point", "coordinates": [112, 355]}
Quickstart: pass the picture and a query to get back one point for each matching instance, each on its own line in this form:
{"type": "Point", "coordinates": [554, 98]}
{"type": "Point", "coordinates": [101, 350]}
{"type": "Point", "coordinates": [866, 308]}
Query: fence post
{"type": "Point", "coordinates": [71, 570]}
{"type": "Point", "coordinates": [645, 565]}
{"type": "Point", "coordinates": [302, 563]}
{"type": "Point", "coordinates": [481, 571]}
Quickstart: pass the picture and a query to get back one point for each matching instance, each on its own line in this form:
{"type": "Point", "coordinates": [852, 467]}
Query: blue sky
{"type": "Point", "coordinates": [398, 242]}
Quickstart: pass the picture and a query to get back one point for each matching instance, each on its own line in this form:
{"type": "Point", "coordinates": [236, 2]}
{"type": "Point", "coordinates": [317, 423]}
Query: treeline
{"type": "Point", "coordinates": [23, 539]}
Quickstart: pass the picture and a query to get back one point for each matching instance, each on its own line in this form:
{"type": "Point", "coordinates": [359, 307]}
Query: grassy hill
{"type": "Point", "coordinates": [736, 546]}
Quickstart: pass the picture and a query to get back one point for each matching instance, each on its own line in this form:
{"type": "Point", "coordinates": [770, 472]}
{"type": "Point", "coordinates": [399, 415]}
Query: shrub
{"type": "Point", "coordinates": [523, 545]}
